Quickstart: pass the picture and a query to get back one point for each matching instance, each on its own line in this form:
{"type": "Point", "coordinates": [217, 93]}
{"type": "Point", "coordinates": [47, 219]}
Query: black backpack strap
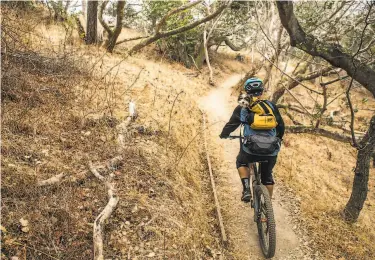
{"type": "Point", "coordinates": [265, 108]}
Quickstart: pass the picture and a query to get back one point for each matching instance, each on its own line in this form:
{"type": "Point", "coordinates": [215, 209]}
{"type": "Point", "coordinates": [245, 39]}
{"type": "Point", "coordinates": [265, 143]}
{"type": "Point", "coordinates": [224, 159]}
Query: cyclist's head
{"type": "Point", "coordinates": [254, 87]}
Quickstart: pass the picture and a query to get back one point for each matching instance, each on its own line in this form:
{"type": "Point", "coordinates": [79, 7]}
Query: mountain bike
{"type": "Point", "coordinates": [263, 211]}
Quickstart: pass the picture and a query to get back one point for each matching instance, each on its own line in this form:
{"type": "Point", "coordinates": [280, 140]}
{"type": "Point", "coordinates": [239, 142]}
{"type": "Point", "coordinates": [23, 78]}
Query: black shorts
{"type": "Point", "coordinates": [243, 160]}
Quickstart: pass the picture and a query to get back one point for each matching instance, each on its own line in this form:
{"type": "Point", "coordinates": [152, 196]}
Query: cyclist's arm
{"type": "Point", "coordinates": [233, 124]}
{"type": "Point", "coordinates": [280, 128]}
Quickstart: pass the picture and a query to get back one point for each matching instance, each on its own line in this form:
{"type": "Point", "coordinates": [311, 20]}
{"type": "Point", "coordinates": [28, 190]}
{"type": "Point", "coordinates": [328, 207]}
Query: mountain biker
{"type": "Point", "coordinates": [243, 115]}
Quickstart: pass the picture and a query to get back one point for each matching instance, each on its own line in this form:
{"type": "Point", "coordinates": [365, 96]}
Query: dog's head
{"type": "Point", "coordinates": [244, 100]}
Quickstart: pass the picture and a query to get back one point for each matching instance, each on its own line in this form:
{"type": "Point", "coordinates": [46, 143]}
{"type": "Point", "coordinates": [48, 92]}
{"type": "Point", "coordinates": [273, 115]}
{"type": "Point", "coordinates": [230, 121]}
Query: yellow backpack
{"type": "Point", "coordinates": [264, 118]}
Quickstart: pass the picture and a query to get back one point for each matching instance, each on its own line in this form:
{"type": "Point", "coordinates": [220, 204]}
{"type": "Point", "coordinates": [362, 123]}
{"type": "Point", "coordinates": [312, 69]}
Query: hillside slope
{"type": "Point", "coordinates": [65, 105]}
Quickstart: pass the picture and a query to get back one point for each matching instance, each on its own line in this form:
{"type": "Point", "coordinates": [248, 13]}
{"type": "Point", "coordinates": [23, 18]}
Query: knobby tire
{"type": "Point", "coordinates": [261, 191]}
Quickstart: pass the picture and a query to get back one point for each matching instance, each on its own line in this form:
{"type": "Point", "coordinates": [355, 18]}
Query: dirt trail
{"type": "Point", "coordinates": [238, 217]}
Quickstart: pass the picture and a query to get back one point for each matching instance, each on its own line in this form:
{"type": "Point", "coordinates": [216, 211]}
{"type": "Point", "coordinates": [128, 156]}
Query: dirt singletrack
{"type": "Point", "coordinates": [238, 217]}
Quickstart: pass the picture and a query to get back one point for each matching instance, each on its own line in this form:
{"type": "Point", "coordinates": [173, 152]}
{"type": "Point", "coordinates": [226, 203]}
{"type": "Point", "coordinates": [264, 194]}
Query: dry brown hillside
{"type": "Point", "coordinates": [65, 104]}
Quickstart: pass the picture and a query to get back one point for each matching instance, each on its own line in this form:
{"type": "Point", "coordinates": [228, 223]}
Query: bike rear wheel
{"type": "Point", "coordinates": [265, 221]}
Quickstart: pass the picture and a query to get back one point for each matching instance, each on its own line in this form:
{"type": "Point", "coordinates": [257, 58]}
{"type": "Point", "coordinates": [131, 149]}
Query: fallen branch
{"type": "Point", "coordinates": [104, 215]}
{"type": "Point", "coordinates": [53, 180]}
{"type": "Point", "coordinates": [95, 171]}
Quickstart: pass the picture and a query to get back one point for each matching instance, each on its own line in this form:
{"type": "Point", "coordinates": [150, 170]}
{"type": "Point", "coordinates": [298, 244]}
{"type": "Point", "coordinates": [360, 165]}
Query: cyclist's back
{"type": "Point", "coordinates": [260, 143]}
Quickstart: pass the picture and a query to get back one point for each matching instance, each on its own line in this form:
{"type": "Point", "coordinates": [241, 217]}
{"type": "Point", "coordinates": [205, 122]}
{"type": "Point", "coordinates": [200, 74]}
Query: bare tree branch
{"type": "Point", "coordinates": [330, 52]}
{"type": "Point", "coordinates": [333, 81]}
{"type": "Point", "coordinates": [318, 131]}
{"type": "Point", "coordinates": [104, 24]}
{"type": "Point", "coordinates": [132, 39]}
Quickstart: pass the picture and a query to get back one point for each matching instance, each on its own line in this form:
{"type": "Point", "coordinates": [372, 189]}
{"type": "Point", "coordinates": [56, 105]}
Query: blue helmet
{"type": "Point", "coordinates": [254, 86]}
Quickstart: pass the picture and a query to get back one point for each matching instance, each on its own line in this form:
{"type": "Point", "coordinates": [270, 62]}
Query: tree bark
{"type": "Point", "coordinates": [334, 54]}
{"type": "Point", "coordinates": [91, 25]}
{"type": "Point", "coordinates": [360, 184]}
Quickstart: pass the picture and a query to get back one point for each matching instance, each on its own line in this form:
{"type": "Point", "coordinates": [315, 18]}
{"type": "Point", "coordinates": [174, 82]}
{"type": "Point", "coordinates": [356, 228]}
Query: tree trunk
{"type": "Point", "coordinates": [360, 184]}
{"type": "Point", "coordinates": [91, 29]}
{"type": "Point", "coordinates": [112, 38]}
{"type": "Point", "coordinates": [199, 60]}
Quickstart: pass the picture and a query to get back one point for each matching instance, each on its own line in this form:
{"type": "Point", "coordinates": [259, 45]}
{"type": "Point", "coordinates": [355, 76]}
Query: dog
{"type": "Point", "coordinates": [244, 100]}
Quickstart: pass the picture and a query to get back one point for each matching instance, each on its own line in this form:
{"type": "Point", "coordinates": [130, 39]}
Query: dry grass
{"type": "Point", "coordinates": [61, 105]}
{"type": "Point", "coordinates": [320, 172]}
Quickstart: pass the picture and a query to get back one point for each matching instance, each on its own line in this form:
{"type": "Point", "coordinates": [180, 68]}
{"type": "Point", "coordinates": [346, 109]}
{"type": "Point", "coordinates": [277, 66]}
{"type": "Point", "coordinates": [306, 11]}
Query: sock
{"type": "Point", "coordinates": [245, 183]}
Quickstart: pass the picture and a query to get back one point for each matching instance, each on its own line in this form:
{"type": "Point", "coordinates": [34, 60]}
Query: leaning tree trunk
{"type": "Point", "coordinates": [360, 184]}
{"type": "Point", "coordinates": [91, 24]}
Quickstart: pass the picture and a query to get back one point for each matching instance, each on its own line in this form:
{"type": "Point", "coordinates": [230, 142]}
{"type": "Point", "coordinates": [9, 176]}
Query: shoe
{"type": "Point", "coordinates": [246, 196]}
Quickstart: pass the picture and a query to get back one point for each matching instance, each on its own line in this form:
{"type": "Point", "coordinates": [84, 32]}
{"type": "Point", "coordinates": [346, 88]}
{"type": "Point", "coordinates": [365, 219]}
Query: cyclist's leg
{"type": "Point", "coordinates": [242, 165]}
{"type": "Point", "coordinates": [266, 173]}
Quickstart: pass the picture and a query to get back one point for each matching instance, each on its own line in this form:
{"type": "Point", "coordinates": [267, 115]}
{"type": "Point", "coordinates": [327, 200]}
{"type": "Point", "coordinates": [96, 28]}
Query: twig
{"type": "Point", "coordinates": [191, 141]}
{"type": "Point", "coordinates": [217, 204]}
{"type": "Point", "coordinates": [299, 102]}
{"type": "Point", "coordinates": [333, 81]}
{"type": "Point", "coordinates": [299, 82]}
{"type": "Point", "coordinates": [136, 79]}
